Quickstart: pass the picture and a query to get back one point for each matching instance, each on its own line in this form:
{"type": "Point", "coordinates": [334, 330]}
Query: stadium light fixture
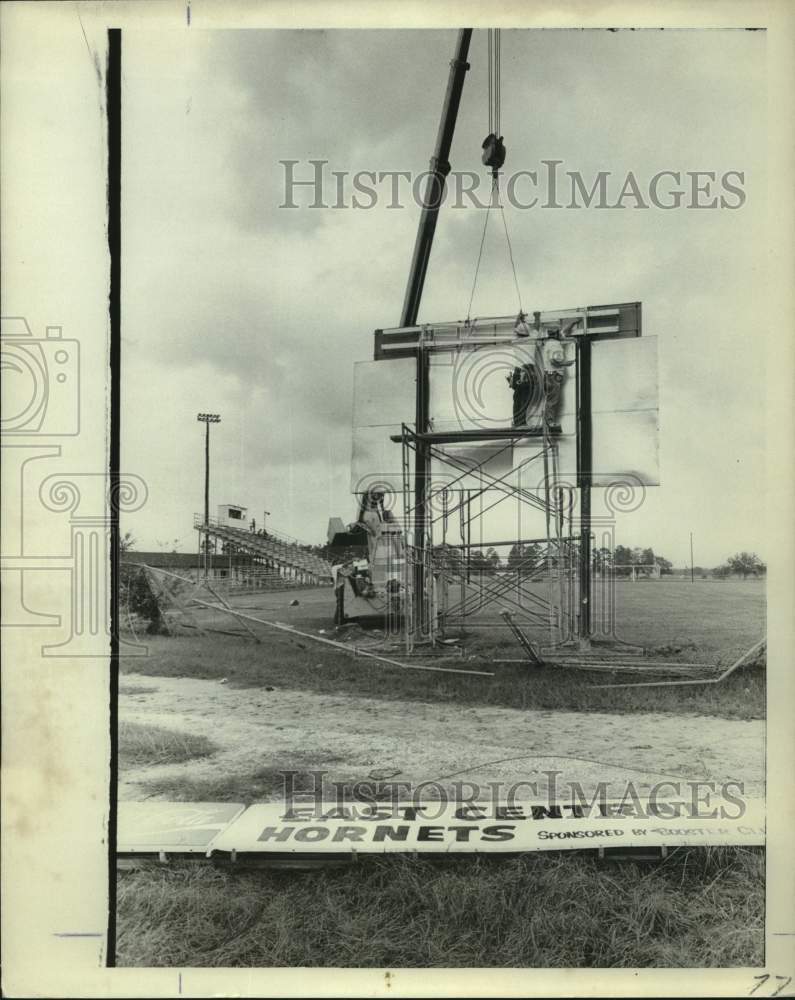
{"type": "Point", "coordinates": [207, 419]}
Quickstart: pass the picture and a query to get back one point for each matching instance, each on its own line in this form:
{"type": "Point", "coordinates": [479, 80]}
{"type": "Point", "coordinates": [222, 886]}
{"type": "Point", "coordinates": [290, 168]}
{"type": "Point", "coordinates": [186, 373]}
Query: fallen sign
{"type": "Point", "coordinates": [172, 827]}
{"type": "Point", "coordinates": [276, 829]}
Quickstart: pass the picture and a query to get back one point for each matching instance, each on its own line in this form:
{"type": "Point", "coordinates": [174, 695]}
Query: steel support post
{"type": "Point", "coordinates": [584, 479]}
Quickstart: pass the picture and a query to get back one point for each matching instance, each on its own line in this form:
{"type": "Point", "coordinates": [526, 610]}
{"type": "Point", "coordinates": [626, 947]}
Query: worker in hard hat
{"type": "Point", "coordinates": [554, 359]}
{"type": "Point", "coordinates": [553, 386]}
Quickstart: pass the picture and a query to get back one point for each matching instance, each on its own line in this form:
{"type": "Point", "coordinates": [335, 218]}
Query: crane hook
{"type": "Point", "coordinates": [493, 152]}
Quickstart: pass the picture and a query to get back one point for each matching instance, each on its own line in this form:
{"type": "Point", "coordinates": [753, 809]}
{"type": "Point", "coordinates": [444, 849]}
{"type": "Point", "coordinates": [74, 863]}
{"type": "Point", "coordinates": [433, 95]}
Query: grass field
{"type": "Point", "coordinates": [711, 614]}
{"type": "Point", "coordinates": [289, 663]}
{"type": "Point", "coordinates": [698, 908]}
{"type": "Point", "coordinates": [709, 621]}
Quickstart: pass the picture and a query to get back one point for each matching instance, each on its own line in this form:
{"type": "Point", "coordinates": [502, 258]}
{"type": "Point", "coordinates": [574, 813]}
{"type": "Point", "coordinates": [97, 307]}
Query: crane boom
{"type": "Point", "coordinates": [434, 188]}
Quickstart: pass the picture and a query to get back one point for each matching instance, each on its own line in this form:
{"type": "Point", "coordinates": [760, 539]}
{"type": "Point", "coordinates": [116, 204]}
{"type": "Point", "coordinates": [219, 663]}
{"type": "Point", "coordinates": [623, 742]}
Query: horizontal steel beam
{"type": "Point", "coordinates": [460, 437]}
{"type": "Point", "coordinates": [605, 321]}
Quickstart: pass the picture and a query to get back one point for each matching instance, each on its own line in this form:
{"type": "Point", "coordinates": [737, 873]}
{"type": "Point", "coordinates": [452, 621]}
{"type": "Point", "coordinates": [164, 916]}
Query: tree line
{"type": "Point", "coordinates": [531, 557]}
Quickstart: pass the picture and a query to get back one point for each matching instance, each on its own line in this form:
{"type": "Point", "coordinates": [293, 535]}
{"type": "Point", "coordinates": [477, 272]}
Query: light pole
{"type": "Point", "coordinates": [207, 419]}
{"type": "Point", "coordinates": [265, 515]}
{"type": "Point", "coordinates": [692, 574]}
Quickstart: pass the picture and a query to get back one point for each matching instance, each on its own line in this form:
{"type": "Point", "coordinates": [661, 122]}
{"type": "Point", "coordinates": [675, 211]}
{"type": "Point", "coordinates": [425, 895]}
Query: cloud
{"type": "Point", "coordinates": [231, 303]}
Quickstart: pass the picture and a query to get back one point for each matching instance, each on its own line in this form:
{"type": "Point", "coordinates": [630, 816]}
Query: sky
{"type": "Point", "coordinates": [234, 305]}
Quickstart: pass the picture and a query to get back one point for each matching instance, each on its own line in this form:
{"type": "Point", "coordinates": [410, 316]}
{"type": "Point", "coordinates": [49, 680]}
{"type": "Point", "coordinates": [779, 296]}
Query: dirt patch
{"type": "Point", "coordinates": [417, 741]}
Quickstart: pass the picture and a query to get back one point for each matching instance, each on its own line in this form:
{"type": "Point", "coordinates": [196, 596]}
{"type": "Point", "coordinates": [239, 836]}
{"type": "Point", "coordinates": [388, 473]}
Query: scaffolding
{"type": "Point", "coordinates": [454, 591]}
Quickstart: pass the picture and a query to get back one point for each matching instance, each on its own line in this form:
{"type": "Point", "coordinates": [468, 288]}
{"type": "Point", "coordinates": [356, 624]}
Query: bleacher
{"type": "Point", "coordinates": [271, 549]}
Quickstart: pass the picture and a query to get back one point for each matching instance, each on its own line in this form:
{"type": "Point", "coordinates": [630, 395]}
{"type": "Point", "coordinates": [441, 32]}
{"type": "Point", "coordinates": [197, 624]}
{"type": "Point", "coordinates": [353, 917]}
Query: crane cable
{"type": "Point", "coordinates": [490, 99]}
{"type": "Point", "coordinates": [494, 116]}
{"type": "Point", "coordinates": [494, 74]}
{"type": "Point", "coordinates": [510, 248]}
{"type": "Point", "coordinates": [497, 79]}
{"type": "Point", "coordinates": [480, 255]}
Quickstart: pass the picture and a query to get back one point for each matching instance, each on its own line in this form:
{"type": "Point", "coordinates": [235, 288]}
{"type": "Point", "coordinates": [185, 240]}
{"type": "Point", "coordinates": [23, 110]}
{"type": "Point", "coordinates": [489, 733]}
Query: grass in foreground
{"type": "Point", "coordinates": [259, 785]}
{"type": "Point", "coordinates": [699, 908]}
{"type": "Point", "coordinates": [142, 745]}
{"type": "Point", "coordinates": [285, 662]}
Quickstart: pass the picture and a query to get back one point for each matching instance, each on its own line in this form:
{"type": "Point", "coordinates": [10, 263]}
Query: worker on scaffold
{"type": "Point", "coordinates": [522, 380]}
{"type": "Point", "coordinates": [537, 388]}
{"type": "Point", "coordinates": [554, 359]}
